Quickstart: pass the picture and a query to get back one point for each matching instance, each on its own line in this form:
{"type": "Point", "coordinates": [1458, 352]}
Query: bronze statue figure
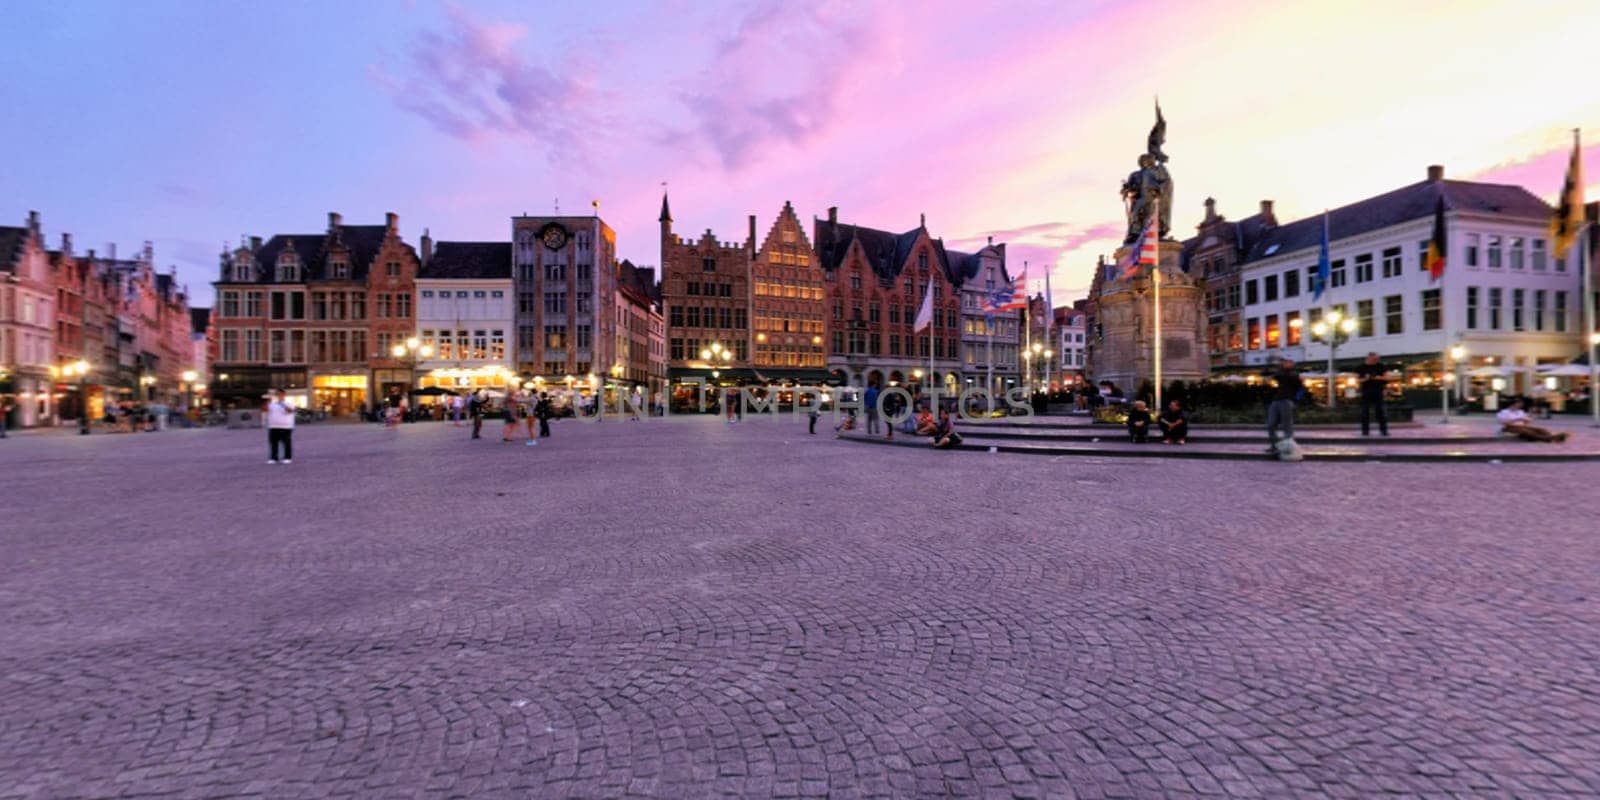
{"type": "Point", "coordinates": [1149, 184]}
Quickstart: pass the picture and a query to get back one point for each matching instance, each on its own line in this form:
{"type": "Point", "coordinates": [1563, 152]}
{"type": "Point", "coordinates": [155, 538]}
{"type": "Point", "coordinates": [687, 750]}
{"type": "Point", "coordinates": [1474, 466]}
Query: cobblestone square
{"type": "Point", "coordinates": [702, 609]}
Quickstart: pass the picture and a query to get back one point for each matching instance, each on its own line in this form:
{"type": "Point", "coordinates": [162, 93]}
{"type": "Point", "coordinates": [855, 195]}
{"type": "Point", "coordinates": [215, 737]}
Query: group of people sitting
{"type": "Point", "coordinates": [1173, 422]}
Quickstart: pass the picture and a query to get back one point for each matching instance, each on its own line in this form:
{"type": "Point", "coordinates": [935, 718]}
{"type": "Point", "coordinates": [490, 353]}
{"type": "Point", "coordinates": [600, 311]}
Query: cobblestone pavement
{"type": "Point", "coordinates": [702, 609]}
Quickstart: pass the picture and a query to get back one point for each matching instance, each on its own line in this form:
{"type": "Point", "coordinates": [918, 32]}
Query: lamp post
{"type": "Point", "coordinates": [1334, 329]}
{"type": "Point", "coordinates": [409, 352]}
{"type": "Point", "coordinates": [716, 357]}
{"type": "Point", "coordinates": [189, 377]}
{"type": "Point", "coordinates": [80, 368]}
{"type": "Point", "coordinates": [1458, 353]}
{"type": "Point", "coordinates": [1048, 355]}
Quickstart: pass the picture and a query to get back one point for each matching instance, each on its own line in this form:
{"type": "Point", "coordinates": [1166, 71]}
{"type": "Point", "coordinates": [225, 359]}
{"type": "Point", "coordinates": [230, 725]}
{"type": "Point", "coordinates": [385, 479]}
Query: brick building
{"type": "Point", "coordinates": [788, 308]}
{"type": "Point", "coordinates": [27, 324]}
{"type": "Point", "coordinates": [706, 289]}
{"type": "Point", "coordinates": [874, 282]}
{"type": "Point", "coordinates": [317, 315]}
{"type": "Point", "coordinates": [1216, 254]}
{"type": "Point", "coordinates": [565, 276]}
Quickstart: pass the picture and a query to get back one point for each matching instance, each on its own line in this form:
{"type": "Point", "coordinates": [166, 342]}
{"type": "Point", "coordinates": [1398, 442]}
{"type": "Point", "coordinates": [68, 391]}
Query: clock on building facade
{"type": "Point", "coordinates": [554, 237]}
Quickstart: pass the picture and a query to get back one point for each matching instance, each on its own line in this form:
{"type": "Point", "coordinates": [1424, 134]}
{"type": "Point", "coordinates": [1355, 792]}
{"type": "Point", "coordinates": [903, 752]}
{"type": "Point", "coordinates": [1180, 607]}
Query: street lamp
{"type": "Point", "coordinates": [1458, 356]}
{"type": "Point", "coordinates": [1334, 329]}
{"type": "Point", "coordinates": [409, 352]}
{"type": "Point", "coordinates": [189, 377]}
{"type": "Point", "coordinates": [80, 368]}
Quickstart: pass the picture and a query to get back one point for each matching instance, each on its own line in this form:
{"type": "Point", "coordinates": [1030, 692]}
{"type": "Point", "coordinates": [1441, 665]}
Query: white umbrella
{"type": "Point", "coordinates": [1565, 370]}
{"type": "Point", "coordinates": [1491, 372]}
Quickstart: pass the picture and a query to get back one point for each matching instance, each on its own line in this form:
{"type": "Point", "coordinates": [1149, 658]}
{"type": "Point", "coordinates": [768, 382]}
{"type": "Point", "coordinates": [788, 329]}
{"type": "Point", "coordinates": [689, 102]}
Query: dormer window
{"type": "Point", "coordinates": [243, 270]}
{"type": "Point", "coordinates": [338, 268]}
{"type": "Point", "coordinates": [288, 268]}
{"type": "Point", "coordinates": [922, 262]}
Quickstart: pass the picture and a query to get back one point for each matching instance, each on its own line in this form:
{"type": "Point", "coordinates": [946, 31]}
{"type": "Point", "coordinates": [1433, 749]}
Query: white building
{"type": "Point", "coordinates": [1503, 296]}
{"type": "Point", "coordinates": [990, 343]}
{"type": "Point", "coordinates": [1071, 353]}
{"type": "Point", "coordinates": [466, 316]}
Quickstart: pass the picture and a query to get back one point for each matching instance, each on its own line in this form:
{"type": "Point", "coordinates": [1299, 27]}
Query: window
{"type": "Point", "coordinates": [1269, 288]}
{"type": "Point", "coordinates": [1518, 298]}
{"type": "Point", "coordinates": [385, 343]}
{"type": "Point", "coordinates": [676, 351]}
{"type": "Point", "coordinates": [288, 268]}
{"type": "Point", "coordinates": [1561, 312]}
{"type": "Point", "coordinates": [1422, 255]}
{"type": "Point", "coordinates": [319, 306]}
{"type": "Point", "coordinates": [739, 319]}
{"type": "Point", "coordinates": [1254, 327]}
{"type": "Point", "coordinates": [1432, 318]}
{"type": "Point", "coordinates": [555, 273]}
{"type": "Point", "coordinates": [855, 281]}
{"type": "Point", "coordinates": [229, 306]}
{"type": "Point", "coordinates": [336, 305]}
{"type": "Point", "coordinates": [319, 346]}
{"type": "Point", "coordinates": [1474, 241]}
{"type": "Point", "coordinates": [1472, 308]}
{"type": "Point", "coordinates": [230, 345]}
{"type": "Point", "coordinates": [252, 345]}
{"type": "Point", "coordinates": [1394, 315]}
{"type": "Point", "coordinates": [1364, 268]}
{"type": "Point", "coordinates": [1516, 252]}
{"type": "Point", "coordinates": [584, 302]}
{"type": "Point", "coordinates": [383, 308]}
{"type": "Point", "coordinates": [692, 317]}
{"type": "Point", "coordinates": [675, 316]}
{"type": "Point", "coordinates": [1540, 297]}
{"type": "Point", "coordinates": [692, 288]}
{"type": "Point", "coordinates": [585, 337]}
{"type": "Point", "coordinates": [340, 268]}
{"type": "Point", "coordinates": [1391, 263]}
{"type": "Point", "coordinates": [358, 305]}
{"type": "Point", "coordinates": [288, 305]}
{"type": "Point", "coordinates": [278, 353]}
{"type": "Point", "coordinates": [252, 304]}
{"type": "Point", "coordinates": [1291, 283]}
{"type": "Point", "coordinates": [724, 316]}
{"type": "Point", "coordinates": [708, 265]}
{"type": "Point", "coordinates": [727, 290]}
{"type": "Point", "coordinates": [555, 302]}
{"type": "Point", "coordinates": [1336, 277]}
{"type": "Point", "coordinates": [1289, 320]}
{"type": "Point", "coordinates": [553, 336]}
{"type": "Point", "coordinates": [1494, 252]}
{"type": "Point", "coordinates": [1539, 262]}
{"type": "Point", "coordinates": [497, 294]}
{"type": "Point", "coordinates": [1274, 335]}
{"type": "Point", "coordinates": [392, 269]}
{"type": "Point", "coordinates": [427, 293]}
{"type": "Point", "coordinates": [1364, 323]}
{"type": "Point", "coordinates": [1252, 294]}
{"type": "Point", "coordinates": [872, 313]}
{"type": "Point", "coordinates": [526, 302]}
{"type": "Point", "coordinates": [402, 306]}
{"type": "Point", "coordinates": [1496, 296]}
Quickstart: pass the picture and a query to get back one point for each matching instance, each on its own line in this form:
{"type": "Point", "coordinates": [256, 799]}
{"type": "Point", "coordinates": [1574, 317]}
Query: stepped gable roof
{"type": "Point", "coordinates": [11, 240]}
{"type": "Point", "coordinates": [468, 260]}
{"type": "Point", "coordinates": [887, 253]}
{"type": "Point", "coordinates": [1392, 208]}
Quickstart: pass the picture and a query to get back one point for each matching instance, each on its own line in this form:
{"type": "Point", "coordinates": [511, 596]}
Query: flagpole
{"type": "Point", "coordinates": [1155, 282]}
{"type": "Point", "coordinates": [1591, 331]}
{"type": "Point", "coordinates": [1333, 333]}
{"type": "Point", "coordinates": [933, 312]}
{"type": "Point", "coordinates": [1444, 331]}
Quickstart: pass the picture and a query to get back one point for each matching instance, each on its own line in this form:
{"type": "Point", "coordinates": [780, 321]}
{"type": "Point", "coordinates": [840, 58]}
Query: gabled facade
{"type": "Point", "coordinates": [990, 342]}
{"type": "Point", "coordinates": [874, 282]}
{"type": "Point", "coordinates": [1216, 255]}
{"type": "Point", "coordinates": [640, 343]}
{"type": "Point", "coordinates": [788, 308]}
{"type": "Point", "coordinates": [27, 325]}
{"type": "Point", "coordinates": [317, 315]}
{"type": "Point", "coordinates": [706, 288]}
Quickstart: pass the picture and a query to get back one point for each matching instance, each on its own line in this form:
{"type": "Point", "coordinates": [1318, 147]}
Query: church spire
{"type": "Point", "coordinates": [666, 213]}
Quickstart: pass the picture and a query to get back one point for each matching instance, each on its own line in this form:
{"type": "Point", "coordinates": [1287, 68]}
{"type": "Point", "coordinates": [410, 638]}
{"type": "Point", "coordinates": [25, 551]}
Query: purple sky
{"type": "Point", "coordinates": [194, 123]}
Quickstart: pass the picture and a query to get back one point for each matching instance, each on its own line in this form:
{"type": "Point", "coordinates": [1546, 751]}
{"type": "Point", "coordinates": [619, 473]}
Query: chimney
{"type": "Point", "coordinates": [66, 244]}
{"type": "Point", "coordinates": [991, 241]}
{"type": "Point", "coordinates": [833, 215]}
{"type": "Point", "coordinates": [111, 251]}
{"type": "Point", "coordinates": [1435, 172]}
{"type": "Point", "coordinates": [391, 221]}
{"type": "Point", "coordinates": [255, 243]}
{"type": "Point", "coordinates": [148, 255]}
{"type": "Point", "coordinates": [427, 247]}
{"type": "Point", "coordinates": [922, 220]}
{"type": "Point", "coordinates": [752, 233]}
{"type": "Point", "coordinates": [1266, 208]}
{"type": "Point", "coordinates": [33, 222]}
{"type": "Point", "coordinates": [334, 221]}
{"type": "Point", "coordinates": [1211, 209]}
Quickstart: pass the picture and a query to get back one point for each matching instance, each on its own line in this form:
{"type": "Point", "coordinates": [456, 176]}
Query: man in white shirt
{"type": "Point", "coordinates": [1514, 419]}
{"type": "Point", "coordinates": [280, 428]}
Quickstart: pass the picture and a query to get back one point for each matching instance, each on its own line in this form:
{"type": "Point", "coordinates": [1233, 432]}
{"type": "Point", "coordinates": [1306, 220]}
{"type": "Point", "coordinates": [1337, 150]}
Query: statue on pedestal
{"type": "Point", "coordinates": [1149, 184]}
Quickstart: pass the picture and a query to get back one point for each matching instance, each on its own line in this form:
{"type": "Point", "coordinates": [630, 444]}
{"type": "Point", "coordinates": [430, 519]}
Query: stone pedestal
{"type": "Point", "coordinates": [1126, 355]}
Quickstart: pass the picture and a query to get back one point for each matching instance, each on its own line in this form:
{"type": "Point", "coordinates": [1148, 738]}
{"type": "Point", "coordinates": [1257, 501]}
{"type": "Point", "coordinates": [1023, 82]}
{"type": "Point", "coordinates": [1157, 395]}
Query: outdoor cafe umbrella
{"type": "Point", "coordinates": [433, 391]}
{"type": "Point", "coordinates": [1565, 371]}
{"type": "Point", "coordinates": [1492, 371]}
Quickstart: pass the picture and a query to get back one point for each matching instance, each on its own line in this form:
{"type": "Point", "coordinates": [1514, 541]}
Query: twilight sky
{"type": "Point", "coordinates": [193, 123]}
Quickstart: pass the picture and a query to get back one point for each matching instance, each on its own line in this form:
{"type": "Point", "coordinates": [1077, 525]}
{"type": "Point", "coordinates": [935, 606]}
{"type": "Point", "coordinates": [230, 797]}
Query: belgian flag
{"type": "Point", "coordinates": [1569, 207]}
{"type": "Point", "coordinates": [1436, 246]}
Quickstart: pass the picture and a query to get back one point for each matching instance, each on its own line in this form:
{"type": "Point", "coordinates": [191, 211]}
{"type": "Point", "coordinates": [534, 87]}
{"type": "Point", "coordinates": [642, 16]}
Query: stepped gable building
{"type": "Point", "coordinates": [27, 324]}
{"type": "Point", "coordinates": [1216, 255]}
{"type": "Point", "coordinates": [641, 332]}
{"type": "Point", "coordinates": [788, 306]}
{"type": "Point", "coordinates": [705, 286]}
{"type": "Point", "coordinates": [317, 315]}
{"type": "Point", "coordinates": [990, 343]}
{"type": "Point", "coordinates": [1504, 296]}
{"type": "Point", "coordinates": [874, 282]}
{"type": "Point", "coordinates": [466, 316]}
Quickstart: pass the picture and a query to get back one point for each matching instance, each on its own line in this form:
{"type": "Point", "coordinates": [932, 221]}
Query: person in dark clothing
{"type": "Point", "coordinates": [1373, 382]}
{"type": "Point", "coordinates": [1174, 423]}
{"type": "Point", "coordinates": [1139, 422]}
{"type": "Point", "coordinates": [1280, 413]}
{"type": "Point", "coordinates": [475, 410]}
{"type": "Point", "coordinates": [542, 410]}
{"type": "Point", "coordinates": [944, 435]}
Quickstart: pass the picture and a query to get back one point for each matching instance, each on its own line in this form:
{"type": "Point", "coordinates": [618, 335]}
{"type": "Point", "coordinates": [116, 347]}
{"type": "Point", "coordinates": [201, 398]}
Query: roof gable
{"type": "Point", "coordinates": [468, 260]}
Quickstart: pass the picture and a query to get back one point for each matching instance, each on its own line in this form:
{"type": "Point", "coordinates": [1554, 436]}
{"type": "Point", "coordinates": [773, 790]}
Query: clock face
{"type": "Point", "coordinates": [554, 237]}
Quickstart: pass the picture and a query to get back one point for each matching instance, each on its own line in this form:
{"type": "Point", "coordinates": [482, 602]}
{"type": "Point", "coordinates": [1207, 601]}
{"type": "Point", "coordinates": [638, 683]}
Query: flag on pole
{"type": "Point", "coordinates": [995, 301]}
{"type": "Point", "coordinates": [925, 314]}
{"type": "Point", "coordinates": [1436, 246]}
{"type": "Point", "coordinates": [1568, 220]}
{"type": "Point", "coordinates": [1319, 284]}
{"type": "Point", "coordinates": [1144, 251]}
{"type": "Point", "coordinates": [1019, 291]}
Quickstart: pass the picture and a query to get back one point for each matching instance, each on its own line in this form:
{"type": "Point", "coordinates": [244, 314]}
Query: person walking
{"type": "Point", "coordinates": [542, 410]}
{"type": "Point", "coordinates": [455, 410]}
{"type": "Point", "coordinates": [891, 410]}
{"type": "Point", "coordinates": [5, 417]}
{"type": "Point", "coordinates": [475, 412]}
{"type": "Point", "coordinates": [870, 401]}
{"type": "Point", "coordinates": [1373, 382]}
{"type": "Point", "coordinates": [280, 429]}
{"type": "Point", "coordinates": [1280, 413]}
{"type": "Point", "coordinates": [508, 411]}
{"type": "Point", "coordinates": [1174, 424]}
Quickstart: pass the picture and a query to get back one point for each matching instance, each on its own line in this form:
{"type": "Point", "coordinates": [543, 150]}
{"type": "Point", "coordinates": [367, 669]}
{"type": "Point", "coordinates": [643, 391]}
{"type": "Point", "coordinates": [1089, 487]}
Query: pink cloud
{"type": "Point", "coordinates": [783, 77]}
{"type": "Point", "coordinates": [1541, 173]}
{"type": "Point", "coordinates": [468, 80]}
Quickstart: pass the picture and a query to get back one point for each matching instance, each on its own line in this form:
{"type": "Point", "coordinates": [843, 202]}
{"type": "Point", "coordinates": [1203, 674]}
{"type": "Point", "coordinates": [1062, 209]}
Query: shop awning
{"type": "Point", "coordinates": [704, 373]}
{"type": "Point", "coordinates": [800, 376]}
